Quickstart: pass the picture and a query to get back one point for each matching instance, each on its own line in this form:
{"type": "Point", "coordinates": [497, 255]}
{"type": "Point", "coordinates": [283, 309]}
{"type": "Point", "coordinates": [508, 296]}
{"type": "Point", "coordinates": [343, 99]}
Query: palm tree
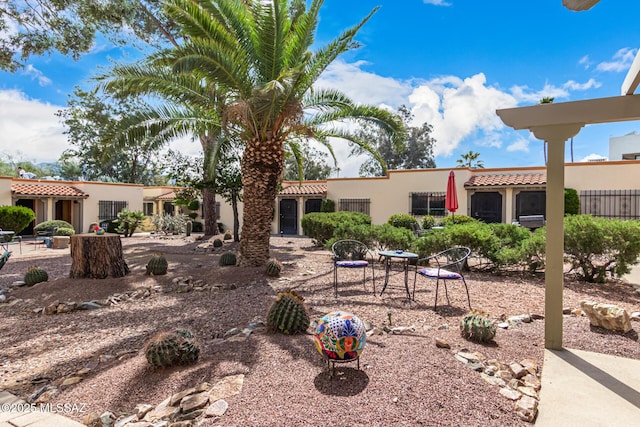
{"type": "Point", "coordinates": [259, 53]}
{"type": "Point", "coordinates": [470, 160]}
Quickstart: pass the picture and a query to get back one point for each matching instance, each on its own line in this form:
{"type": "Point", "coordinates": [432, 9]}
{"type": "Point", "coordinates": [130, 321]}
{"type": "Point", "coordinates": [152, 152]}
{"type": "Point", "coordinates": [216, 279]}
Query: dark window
{"type": "Point", "coordinates": [312, 205]}
{"type": "Point", "coordinates": [621, 204]}
{"type": "Point", "coordinates": [428, 204]}
{"type": "Point", "coordinates": [355, 205]}
{"type": "Point", "coordinates": [109, 209]}
{"type": "Point", "coordinates": [531, 203]}
{"type": "Point", "coordinates": [147, 208]}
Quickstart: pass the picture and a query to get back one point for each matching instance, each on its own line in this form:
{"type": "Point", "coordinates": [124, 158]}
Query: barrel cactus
{"type": "Point", "coordinates": [157, 265]}
{"type": "Point", "coordinates": [273, 267]}
{"type": "Point", "coordinates": [35, 275]}
{"type": "Point", "coordinates": [227, 235]}
{"type": "Point", "coordinates": [475, 326]}
{"type": "Point", "coordinates": [217, 243]}
{"type": "Point", "coordinates": [172, 348]}
{"type": "Point", "coordinates": [288, 314]}
{"type": "Point", "coordinates": [228, 258]}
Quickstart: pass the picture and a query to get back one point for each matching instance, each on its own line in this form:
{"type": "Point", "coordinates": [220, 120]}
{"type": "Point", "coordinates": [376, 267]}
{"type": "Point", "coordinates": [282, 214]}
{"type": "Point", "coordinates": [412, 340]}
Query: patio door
{"type": "Point", "coordinates": [288, 216]}
{"type": "Point", "coordinates": [487, 206]}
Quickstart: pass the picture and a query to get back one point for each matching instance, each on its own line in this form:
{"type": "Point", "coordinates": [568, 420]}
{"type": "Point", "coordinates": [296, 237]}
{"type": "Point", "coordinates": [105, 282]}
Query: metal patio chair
{"type": "Point", "coordinates": [448, 266]}
{"type": "Point", "coordinates": [352, 254]}
{"type": "Point", "coordinates": [4, 258]}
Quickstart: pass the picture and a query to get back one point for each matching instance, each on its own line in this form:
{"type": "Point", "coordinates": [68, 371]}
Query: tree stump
{"type": "Point", "coordinates": [97, 257]}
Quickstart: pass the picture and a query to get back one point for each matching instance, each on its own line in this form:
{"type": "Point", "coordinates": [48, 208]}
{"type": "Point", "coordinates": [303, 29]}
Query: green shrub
{"type": "Point", "coordinates": [193, 215]}
{"type": "Point", "coordinates": [389, 237]}
{"type": "Point", "coordinates": [328, 205]}
{"type": "Point", "coordinates": [193, 205]}
{"type": "Point", "coordinates": [321, 226]}
{"type": "Point", "coordinates": [428, 222]}
{"type": "Point", "coordinates": [402, 220]}
{"type": "Point", "coordinates": [456, 219]}
{"type": "Point", "coordinates": [361, 232]}
{"type": "Point", "coordinates": [15, 218]}
{"type": "Point", "coordinates": [534, 249]}
{"type": "Point", "coordinates": [170, 224]}
{"type": "Point", "coordinates": [571, 202]}
{"type": "Point", "coordinates": [50, 225]}
{"type": "Point", "coordinates": [128, 221]}
{"type": "Point", "coordinates": [64, 231]}
{"type": "Point", "coordinates": [597, 247]}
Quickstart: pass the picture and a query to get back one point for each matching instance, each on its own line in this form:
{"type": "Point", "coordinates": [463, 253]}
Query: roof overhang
{"type": "Point", "coordinates": [578, 5]}
{"type": "Point", "coordinates": [591, 111]}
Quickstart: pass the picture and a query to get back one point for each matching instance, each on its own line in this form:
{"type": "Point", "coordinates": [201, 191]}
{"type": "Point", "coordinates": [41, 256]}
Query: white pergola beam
{"type": "Point", "coordinates": [591, 111]}
{"type": "Point", "coordinates": [632, 79]}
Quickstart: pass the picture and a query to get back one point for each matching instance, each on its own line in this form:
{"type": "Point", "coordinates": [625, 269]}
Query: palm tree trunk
{"type": "Point", "coordinates": [262, 165]}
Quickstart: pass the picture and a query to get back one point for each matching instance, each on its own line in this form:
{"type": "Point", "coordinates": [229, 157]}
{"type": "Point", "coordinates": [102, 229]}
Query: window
{"type": "Point", "coordinates": [428, 204]}
{"type": "Point", "coordinates": [621, 204]}
{"type": "Point", "coordinates": [531, 203]}
{"type": "Point", "coordinates": [109, 209]}
{"type": "Point", "coordinates": [355, 205]}
{"type": "Point", "coordinates": [147, 208]}
{"type": "Point", "coordinates": [312, 205]}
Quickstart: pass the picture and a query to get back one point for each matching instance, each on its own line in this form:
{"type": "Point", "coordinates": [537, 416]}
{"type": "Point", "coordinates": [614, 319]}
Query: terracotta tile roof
{"type": "Point", "coordinates": [167, 196]}
{"type": "Point", "coordinates": [298, 189]}
{"type": "Point", "coordinates": [502, 180]}
{"type": "Point", "coordinates": [55, 190]}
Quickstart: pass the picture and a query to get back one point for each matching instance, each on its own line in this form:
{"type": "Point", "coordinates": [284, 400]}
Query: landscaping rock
{"type": "Point", "coordinates": [193, 402]}
{"type": "Point", "coordinates": [442, 343]}
{"type": "Point", "coordinates": [608, 316]}
{"type": "Point", "coordinates": [217, 408]}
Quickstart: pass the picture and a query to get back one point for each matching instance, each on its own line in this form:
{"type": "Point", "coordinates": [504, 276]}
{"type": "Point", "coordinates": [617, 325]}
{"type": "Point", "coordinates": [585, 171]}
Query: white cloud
{"type": "Point", "coordinates": [573, 85]}
{"type": "Point", "coordinates": [458, 108]}
{"type": "Point", "coordinates": [437, 2]}
{"type": "Point", "coordinates": [520, 144]}
{"type": "Point", "coordinates": [621, 61]}
{"type": "Point", "coordinates": [36, 74]}
{"type": "Point", "coordinates": [523, 93]}
{"type": "Point", "coordinates": [363, 86]}
{"type": "Point", "coordinates": [593, 157]}
{"type": "Point", "coordinates": [585, 62]}
{"type": "Point", "coordinates": [30, 126]}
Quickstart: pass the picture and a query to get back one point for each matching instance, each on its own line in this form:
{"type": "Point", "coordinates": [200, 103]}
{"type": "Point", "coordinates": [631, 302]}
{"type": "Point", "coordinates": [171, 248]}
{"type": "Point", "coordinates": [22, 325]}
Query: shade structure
{"type": "Point", "coordinates": [451, 199]}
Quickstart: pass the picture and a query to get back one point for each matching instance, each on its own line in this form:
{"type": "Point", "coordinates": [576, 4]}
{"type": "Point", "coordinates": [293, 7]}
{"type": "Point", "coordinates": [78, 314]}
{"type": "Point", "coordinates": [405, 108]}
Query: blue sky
{"type": "Point", "coordinates": [453, 62]}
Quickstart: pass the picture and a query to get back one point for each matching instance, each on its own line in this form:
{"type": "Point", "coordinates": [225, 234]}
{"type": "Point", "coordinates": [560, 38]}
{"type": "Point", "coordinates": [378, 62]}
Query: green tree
{"type": "Point", "coordinates": [94, 123]}
{"type": "Point", "coordinates": [70, 26]}
{"type": "Point", "coordinates": [314, 165]}
{"type": "Point", "coordinates": [470, 160]}
{"type": "Point", "coordinates": [416, 152]}
{"type": "Point", "coordinates": [260, 53]}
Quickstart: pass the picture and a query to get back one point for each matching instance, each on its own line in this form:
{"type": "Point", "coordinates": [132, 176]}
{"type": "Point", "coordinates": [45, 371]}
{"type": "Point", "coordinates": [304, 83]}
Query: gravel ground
{"type": "Point", "coordinates": [404, 379]}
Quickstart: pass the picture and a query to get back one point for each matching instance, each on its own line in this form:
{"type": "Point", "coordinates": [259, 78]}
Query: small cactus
{"type": "Point", "coordinates": [35, 275]}
{"type": "Point", "coordinates": [217, 243]}
{"type": "Point", "coordinates": [157, 265]}
{"type": "Point", "coordinates": [288, 314]}
{"type": "Point", "coordinates": [172, 348]}
{"type": "Point", "coordinates": [273, 268]}
{"type": "Point", "coordinates": [189, 228]}
{"type": "Point", "coordinates": [475, 326]}
{"type": "Point", "coordinates": [227, 235]}
{"type": "Point", "coordinates": [228, 258]}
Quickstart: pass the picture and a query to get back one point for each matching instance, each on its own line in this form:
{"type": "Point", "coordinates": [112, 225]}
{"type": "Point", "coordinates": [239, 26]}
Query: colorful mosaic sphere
{"type": "Point", "coordinates": [340, 336]}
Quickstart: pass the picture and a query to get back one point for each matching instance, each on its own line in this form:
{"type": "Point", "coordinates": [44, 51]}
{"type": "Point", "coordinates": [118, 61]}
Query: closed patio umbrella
{"type": "Point", "coordinates": [451, 198]}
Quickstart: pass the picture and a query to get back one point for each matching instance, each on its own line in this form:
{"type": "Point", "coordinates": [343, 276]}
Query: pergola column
{"type": "Point", "coordinates": [555, 136]}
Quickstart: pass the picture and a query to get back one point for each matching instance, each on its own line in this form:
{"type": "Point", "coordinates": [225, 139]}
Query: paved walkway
{"type": "Point", "coordinates": [585, 389]}
{"type": "Point", "coordinates": [12, 416]}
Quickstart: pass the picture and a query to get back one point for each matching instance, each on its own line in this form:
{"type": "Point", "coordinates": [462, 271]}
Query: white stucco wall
{"type": "Point", "coordinates": [626, 144]}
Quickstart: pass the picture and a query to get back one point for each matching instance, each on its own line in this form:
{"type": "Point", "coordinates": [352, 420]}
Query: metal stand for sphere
{"type": "Point", "coordinates": [331, 364]}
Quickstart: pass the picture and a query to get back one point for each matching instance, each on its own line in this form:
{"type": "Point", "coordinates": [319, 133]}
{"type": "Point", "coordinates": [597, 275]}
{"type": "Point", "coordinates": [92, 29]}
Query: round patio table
{"type": "Point", "coordinates": [405, 257]}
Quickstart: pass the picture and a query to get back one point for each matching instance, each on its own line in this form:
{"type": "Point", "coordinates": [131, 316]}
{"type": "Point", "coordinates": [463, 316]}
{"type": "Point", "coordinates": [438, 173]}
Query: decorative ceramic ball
{"type": "Point", "coordinates": [340, 336]}
{"type": "Point", "coordinates": [100, 231]}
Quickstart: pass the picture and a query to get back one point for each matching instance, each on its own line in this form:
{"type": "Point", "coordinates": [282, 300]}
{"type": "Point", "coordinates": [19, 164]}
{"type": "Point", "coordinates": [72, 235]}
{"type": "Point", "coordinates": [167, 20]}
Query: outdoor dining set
{"type": "Point", "coordinates": [441, 267]}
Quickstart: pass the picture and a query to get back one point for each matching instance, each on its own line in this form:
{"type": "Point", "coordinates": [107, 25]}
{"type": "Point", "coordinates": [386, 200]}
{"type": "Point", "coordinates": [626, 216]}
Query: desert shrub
{"type": "Point", "coordinates": [571, 202]}
{"type": "Point", "coordinates": [402, 220]}
{"type": "Point", "coordinates": [50, 225]}
{"type": "Point", "coordinates": [511, 239]}
{"type": "Point", "coordinates": [428, 221]}
{"type": "Point", "coordinates": [128, 221]}
{"type": "Point", "coordinates": [328, 205]}
{"type": "Point", "coordinates": [193, 215]}
{"type": "Point", "coordinates": [64, 231]}
{"type": "Point", "coordinates": [193, 205]}
{"type": "Point", "coordinates": [361, 232]}
{"type": "Point", "coordinates": [15, 218]}
{"type": "Point", "coordinates": [388, 237]}
{"type": "Point", "coordinates": [598, 247]}
{"type": "Point", "coordinates": [321, 226]}
{"type": "Point", "coordinates": [170, 224]}
{"type": "Point", "coordinates": [456, 219]}
{"type": "Point", "coordinates": [534, 249]}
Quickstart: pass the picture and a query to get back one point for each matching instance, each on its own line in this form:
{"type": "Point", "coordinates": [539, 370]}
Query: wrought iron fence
{"type": "Point", "coordinates": [355, 205]}
{"type": "Point", "coordinates": [621, 204]}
